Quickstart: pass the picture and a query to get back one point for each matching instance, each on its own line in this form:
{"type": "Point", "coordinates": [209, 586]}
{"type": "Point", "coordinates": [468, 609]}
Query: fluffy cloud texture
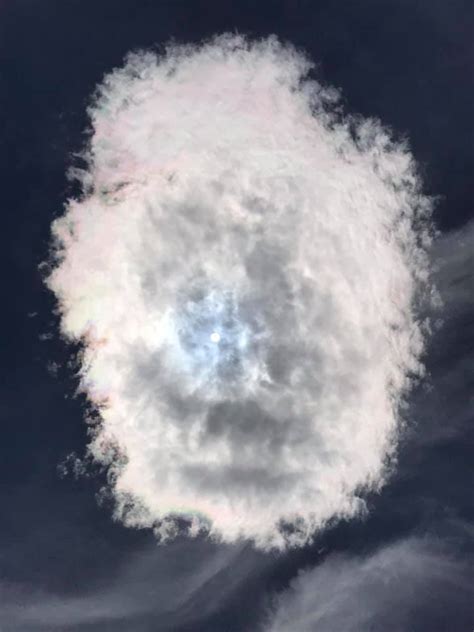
{"type": "Point", "coordinates": [243, 269]}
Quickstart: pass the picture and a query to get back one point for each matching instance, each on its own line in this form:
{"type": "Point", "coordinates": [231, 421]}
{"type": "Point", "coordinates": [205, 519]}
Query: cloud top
{"type": "Point", "coordinates": [243, 269]}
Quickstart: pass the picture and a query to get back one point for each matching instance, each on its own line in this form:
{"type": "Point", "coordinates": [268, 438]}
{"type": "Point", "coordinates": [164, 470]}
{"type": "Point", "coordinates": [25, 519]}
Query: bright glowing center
{"type": "Point", "coordinates": [215, 337]}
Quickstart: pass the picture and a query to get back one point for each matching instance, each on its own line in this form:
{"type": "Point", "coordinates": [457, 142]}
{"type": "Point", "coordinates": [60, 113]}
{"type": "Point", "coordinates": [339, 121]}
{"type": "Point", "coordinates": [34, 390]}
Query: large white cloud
{"type": "Point", "coordinates": [243, 268]}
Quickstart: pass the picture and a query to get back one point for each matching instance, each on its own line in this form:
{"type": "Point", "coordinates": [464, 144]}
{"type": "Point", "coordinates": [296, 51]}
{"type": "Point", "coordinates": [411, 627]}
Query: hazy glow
{"type": "Point", "coordinates": [242, 269]}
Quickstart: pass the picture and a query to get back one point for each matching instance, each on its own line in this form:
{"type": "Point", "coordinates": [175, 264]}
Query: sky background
{"type": "Point", "coordinates": [64, 564]}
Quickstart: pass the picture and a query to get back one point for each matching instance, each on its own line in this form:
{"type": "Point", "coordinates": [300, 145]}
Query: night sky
{"type": "Point", "coordinates": [65, 564]}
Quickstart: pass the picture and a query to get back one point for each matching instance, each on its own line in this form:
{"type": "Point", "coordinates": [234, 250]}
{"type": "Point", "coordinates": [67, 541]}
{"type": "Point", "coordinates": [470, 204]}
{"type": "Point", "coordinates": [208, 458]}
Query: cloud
{"type": "Point", "coordinates": [454, 256]}
{"type": "Point", "coordinates": [159, 586]}
{"type": "Point", "coordinates": [413, 584]}
{"type": "Point", "coordinates": [243, 269]}
{"type": "Point", "coordinates": [443, 407]}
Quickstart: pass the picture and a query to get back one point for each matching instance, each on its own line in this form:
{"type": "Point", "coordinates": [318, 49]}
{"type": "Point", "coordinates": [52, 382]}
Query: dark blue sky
{"type": "Point", "coordinates": [64, 564]}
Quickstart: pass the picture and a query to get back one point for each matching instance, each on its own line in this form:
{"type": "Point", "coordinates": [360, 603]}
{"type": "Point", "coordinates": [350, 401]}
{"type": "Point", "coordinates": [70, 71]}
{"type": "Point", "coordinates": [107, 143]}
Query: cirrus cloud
{"type": "Point", "coordinates": [418, 583]}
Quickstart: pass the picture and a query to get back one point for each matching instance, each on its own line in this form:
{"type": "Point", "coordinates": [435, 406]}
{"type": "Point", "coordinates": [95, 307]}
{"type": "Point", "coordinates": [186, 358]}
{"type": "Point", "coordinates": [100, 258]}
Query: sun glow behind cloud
{"type": "Point", "coordinates": [243, 269]}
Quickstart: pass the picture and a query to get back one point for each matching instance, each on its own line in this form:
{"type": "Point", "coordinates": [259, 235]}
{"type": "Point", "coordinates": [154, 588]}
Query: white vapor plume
{"type": "Point", "coordinates": [243, 269]}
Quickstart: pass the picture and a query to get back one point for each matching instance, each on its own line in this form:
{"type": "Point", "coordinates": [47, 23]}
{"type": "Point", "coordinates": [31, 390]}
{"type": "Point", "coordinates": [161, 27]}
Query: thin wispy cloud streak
{"type": "Point", "coordinates": [169, 586]}
{"type": "Point", "coordinates": [417, 583]}
{"type": "Point", "coordinates": [443, 407]}
{"type": "Point", "coordinates": [244, 270]}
